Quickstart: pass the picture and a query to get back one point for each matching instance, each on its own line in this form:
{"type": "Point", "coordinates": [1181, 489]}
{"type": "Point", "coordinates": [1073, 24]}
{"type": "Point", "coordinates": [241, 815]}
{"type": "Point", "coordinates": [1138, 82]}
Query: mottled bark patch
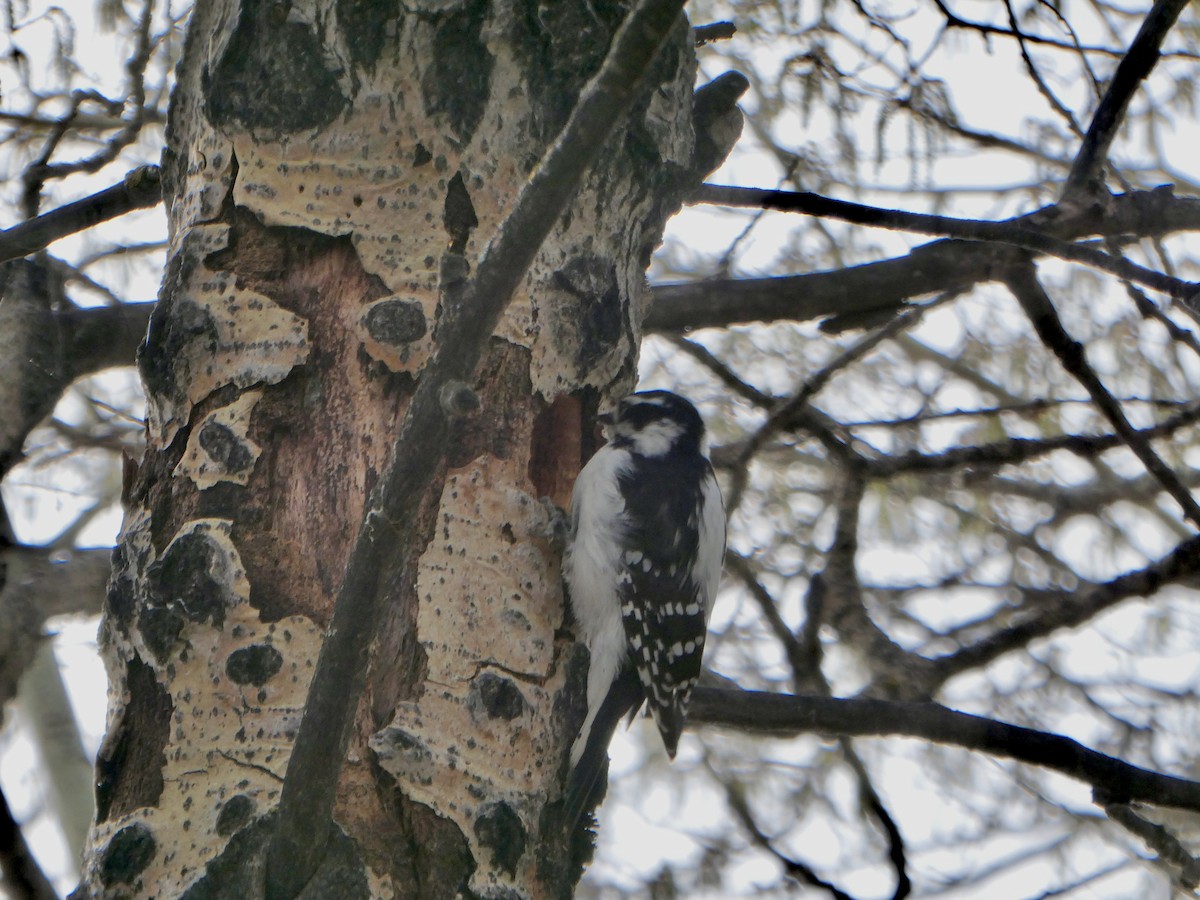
{"type": "Point", "coordinates": [127, 855]}
{"type": "Point", "coordinates": [234, 814]}
{"type": "Point", "coordinates": [219, 449]}
{"type": "Point", "coordinates": [561, 45]}
{"type": "Point", "coordinates": [256, 664]}
{"type": "Point", "coordinates": [209, 332]}
{"type": "Point", "coordinates": [456, 83]}
{"type": "Point", "coordinates": [275, 74]}
{"type": "Point", "coordinates": [501, 831]}
{"type": "Point", "coordinates": [175, 325]}
{"type": "Point", "coordinates": [188, 580]}
{"type": "Point", "coordinates": [592, 283]}
{"type": "Point", "coordinates": [498, 697]}
{"type": "Point", "coordinates": [366, 24]}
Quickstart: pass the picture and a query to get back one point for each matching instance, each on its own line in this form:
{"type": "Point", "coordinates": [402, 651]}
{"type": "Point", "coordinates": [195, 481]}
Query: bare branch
{"type": "Point", "coordinates": [1113, 780]}
{"type": "Point", "coordinates": [140, 189]}
{"type": "Point", "coordinates": [1015, 232]}
{"type": "Point", "coordinates": [42, 170]}
{"type": "Point", "coordinates": [1023, 282]}
{"type": "Point", "coordinates": [1161, 841]}
{"type": "Point", "coordinates": [1018, 450]}
{"type": "Point", "coordinates": [716, 31]}
{"type": "Point", "coordinates": [1134, 67]}
{"type": "Point", "coordinates": [103, 337]}
{"type": "Point", "coordinates": [887, 285]}
{"type": "Point", "coordinates": [794, 868]}
{"type": "Point", "coordinates": [1061, 609]}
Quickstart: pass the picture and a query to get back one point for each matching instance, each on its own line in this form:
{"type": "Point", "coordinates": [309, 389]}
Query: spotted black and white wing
{"type": "Point", "coordinates": [668, 581]}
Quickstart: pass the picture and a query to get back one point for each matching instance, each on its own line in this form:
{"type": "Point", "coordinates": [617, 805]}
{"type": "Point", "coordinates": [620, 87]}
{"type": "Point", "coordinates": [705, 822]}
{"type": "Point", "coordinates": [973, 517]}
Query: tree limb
{"type": "Point", "coordinates": [1134, 67]}
{"type": "Point", "coordinates": [794, 868]}
{"type": "Point", "coordinates": [1014, 451]}
{"type": "Point", "coordinates": [22, 875]}
{"type": "Point", "coordinates": [886, 285]}
{"type": "Point", "coordinates": [102, 337]}
{"type": "Point", "coordinates": [1113, 780]}
{"type": "Point", "coordinates": [1161, 841]}
{"type": "Point", "coordinates": [140, 189]}
{"type": "Point", "coordinates": [38, 583]}
{"type": "Point", "coordinates": [1014, 232]}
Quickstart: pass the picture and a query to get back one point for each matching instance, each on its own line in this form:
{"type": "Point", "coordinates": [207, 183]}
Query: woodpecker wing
{"type": "Point", "coordinates": [664, 602]}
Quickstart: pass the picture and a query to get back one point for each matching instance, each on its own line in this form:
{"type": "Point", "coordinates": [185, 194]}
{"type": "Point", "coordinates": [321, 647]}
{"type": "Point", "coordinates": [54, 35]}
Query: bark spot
{"type": "Point", "coordinates": [224, 446]}
{"type": "Point", "coordinates": [458, 216]}
{"type": "Point", "coordinates": [457, 82]}
{"type": "Point", "coordinates": [127, 855]}
{"type": "Point", "coordinates": [501, 831]}
{"type": "Point", "coordinates": [396, 320]}
{"type": "Point", "coordinates": [592, 281]}
{"type": "Point", "coordinates": [365, 25]}
{"type": "Point", "coordinates": [235, 814]}
{"type": "Point", "coordinates": [184, 582]}
{"type": "Point", "coordinates": [174, 326]}
{"type": "Point", "coordinates": [160, 630]}
{"type": "Point", "coordinates": [562, 45]}
{"type": "Point", "coordinates": [255, 665]}
{"type": "Point", "coordinates": [500, 698]}
{"type": "Point", "coordinates": [273, 75]}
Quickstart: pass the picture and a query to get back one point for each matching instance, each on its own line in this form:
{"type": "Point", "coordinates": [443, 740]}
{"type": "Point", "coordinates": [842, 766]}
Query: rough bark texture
{"type": "Point", "coordinates": [321, 157]}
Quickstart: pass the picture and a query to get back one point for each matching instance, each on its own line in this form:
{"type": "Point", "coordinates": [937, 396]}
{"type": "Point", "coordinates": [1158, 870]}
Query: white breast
{"type": "Point", "coordinates": [591, 569]}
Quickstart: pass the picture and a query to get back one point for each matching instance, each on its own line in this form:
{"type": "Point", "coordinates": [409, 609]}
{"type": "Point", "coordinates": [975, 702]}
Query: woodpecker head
{"type": "Point", "coordinates": [656, 424]}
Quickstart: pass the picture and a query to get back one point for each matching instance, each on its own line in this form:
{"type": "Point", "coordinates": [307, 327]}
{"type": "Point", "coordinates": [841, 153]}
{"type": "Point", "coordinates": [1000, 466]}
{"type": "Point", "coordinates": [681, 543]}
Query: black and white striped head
{"type": "Point", "coordinates": [656, 424]}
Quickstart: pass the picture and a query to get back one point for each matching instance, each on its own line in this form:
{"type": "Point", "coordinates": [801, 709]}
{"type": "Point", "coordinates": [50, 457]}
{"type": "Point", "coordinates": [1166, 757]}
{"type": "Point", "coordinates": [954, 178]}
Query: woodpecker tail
{"type": "Point", "coordinates": [582, 795]}
{"type": "Point", "coordinates": [669, 718]}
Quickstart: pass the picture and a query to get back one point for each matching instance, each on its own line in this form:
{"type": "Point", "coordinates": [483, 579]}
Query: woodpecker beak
{"type": "Point", "coordinates": [605, 419]}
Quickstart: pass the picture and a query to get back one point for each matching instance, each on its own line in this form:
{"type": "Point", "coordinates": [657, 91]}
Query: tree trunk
{"type": "Point", "coordinates": [321, 159]}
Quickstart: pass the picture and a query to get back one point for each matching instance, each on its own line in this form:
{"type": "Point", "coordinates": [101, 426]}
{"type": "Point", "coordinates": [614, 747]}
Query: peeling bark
{"type": "Point", "coordinates": [321, 159]}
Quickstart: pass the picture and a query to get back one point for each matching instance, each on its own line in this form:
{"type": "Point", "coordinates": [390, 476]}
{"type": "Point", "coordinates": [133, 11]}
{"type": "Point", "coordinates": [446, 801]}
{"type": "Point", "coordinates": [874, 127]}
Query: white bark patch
{"type": "Point", "coordinates": [207, 181]}
{"type": "Point", "coordinates": [488, 645]}
{"type": "Point", "coordinates": [237, 336]}
{"type": "Point", "coordinates": [218, 448]}
{"type": "Point", "coordinates": [235, 716]}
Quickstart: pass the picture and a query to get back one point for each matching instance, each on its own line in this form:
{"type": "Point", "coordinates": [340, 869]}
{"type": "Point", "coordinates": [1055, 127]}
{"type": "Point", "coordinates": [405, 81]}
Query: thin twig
{"type": "Point", "coordinates": [1018, 450]}
{"type": "Point", "coordinates": [1133, 69]}
{"type": "Point", "coordinates": [1069, 609]}
{"type": "Point", "coordinates": [1022, 280]}
{"type": "Point", "coordinates": [793, 867]}
{"type": "Point", "coordinates": [1161, 841]}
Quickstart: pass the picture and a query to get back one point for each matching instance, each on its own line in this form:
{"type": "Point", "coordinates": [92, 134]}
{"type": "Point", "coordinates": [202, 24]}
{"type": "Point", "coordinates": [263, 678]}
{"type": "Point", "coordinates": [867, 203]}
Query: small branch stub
{"type": "Point", "coordinates": [458, 399]}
